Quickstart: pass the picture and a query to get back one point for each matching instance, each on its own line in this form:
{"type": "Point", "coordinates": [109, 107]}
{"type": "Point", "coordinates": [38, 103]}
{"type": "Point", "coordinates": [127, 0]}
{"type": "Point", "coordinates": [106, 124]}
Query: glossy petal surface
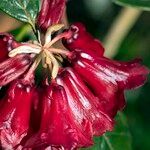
{"type": "Point", "coordinates": [82, 40]}
{"type": "Point", "coordinates": [13, 67]}
{"type": "Point", "coordinates": [84, 105]}
{"type": "Point", "coordinates": [15, 115]}
{"type": "Point", "coordinates": [108, 79]}
{"type": "Point", "coordinates": [7, 43]}
{"type": "Point", "coordinates": [58, 127]}
{"type": "Point", "coordinates": [51, 13]}
{"type": "Point", "coordinates": [36, 109]}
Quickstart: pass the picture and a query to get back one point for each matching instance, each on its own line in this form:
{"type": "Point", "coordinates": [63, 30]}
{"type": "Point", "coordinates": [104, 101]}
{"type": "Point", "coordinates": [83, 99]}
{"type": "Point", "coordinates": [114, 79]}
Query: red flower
{"type": "Point", "coordinates": [82, 40]}
{"type": "Point", "coordinates": [7, 43]}
{"type": "Point", "coordinates": [108, 79]}
{"type": "Point", "coordinates": [84, 105]}
{"type": "Point", "coordinates": [79, 100]}
{"type": "Point", "coordinates": [15, 114]}
{"type": "Point", "coordinates": [13, 67]}
{"type": "Point", "coordinates": [51, 13]}
{"type": "Point", "coordinates": [58, 126]}
{"type": "Point", "coordinates": [35, 116]}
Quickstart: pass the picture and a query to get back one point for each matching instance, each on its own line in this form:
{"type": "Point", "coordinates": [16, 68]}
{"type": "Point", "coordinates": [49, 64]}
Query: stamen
{"type": "Point", "coordinates": [44, 64]}
{"type": "Point", "coordinates": [57, 38]}
{"type": "Point", "coordinates": [50, 57]}
{"type": "Point", "coordinates": [59, 58]}
{"type": "Point", "coordinates": [24, 49]}
{"type": "Point", "coordinates": [30, 73]}
{"type": "Point", "coordinates": [60, 51]}
{"type": "Point", "coordinates": [50, 30]}
{"type": "Point", "coordinates": [38, 36]}
{"type": "Point", "coordinates": [55, 68]}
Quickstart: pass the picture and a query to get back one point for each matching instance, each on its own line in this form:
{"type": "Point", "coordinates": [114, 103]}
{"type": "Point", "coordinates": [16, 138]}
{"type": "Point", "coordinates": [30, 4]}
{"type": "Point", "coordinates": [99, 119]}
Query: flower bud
{"type": "Point", "coordinates": [50, 13]}
{"type": "Point", "coordinates": [15, 114]}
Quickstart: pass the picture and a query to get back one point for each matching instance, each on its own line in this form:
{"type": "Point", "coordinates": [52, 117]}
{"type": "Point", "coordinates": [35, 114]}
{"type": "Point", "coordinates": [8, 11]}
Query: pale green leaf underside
{"type": "Point", "coordinates": [23, 10]}
{"type": "Point", "coordinates": [142, 4]}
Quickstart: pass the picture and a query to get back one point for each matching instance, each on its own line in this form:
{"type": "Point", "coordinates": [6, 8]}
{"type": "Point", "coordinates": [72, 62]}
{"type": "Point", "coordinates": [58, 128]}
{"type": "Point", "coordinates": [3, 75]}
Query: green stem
{"type": "Point", "coordinates": [108, 143]}
{"type": "Point", "coordinates": [119, 30]}
{"type": "Point", "coordinates": [25, 30]}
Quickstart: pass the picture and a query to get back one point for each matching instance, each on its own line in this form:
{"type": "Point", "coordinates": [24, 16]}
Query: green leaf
{"type": "Point", "coordinates": [119, 139]}
{"type": "Point", "coordinates": [142, 4]}
{"type": "Point", "coordinates": [23, 10]}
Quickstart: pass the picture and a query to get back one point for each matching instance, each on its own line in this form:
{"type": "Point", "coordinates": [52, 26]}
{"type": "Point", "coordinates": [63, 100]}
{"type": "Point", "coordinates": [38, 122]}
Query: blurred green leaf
{"type": "Point", "coordinates": [143, 4]}
{"type": "Point", "coordinates": [23, 10]}
{"type": "Point", "coordinates": [119, 139]}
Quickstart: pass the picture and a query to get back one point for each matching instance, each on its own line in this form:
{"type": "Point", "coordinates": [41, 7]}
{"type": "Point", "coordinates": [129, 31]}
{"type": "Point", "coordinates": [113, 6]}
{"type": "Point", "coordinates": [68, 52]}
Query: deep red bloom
{"type": "Point", "coordinates": [108, 79]}
{"type": "Point", "coordinates": [15, 114]}
{"type": "Point", "coordinates": [84, 105]}
{"type": "Point", "coordinates": [58, 125]}
{"type": "Point", "coordinates": [36, 109]}
{"type": "Point", "coordinates": [13, 67]}
{"type": "Point", "coordinates": [77, 104]}
{"type": "Point", "coordinates": [7, 43]}
{"type": "Point", "coordinates": [51, 13]}
{"type": "Point", "coordinates": [82, 40]}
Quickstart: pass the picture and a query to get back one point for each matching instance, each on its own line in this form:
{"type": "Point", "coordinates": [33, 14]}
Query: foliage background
{"type": "Point", "coordinates": [98, 16]}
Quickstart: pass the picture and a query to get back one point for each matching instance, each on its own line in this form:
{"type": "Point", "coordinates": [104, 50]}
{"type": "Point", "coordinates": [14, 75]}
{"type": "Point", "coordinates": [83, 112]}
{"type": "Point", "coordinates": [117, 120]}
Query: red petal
{"type": "Point", "coordinates": [108, 79]}
{"type": "Point", "coordinates": [7, 43]}
{"type": "Point", "coordinates": [12, 68]}
{"type": "Point", "coordinates": [82, 40]}
{"type": "Point", "coordinates": [84, 105]}
{"type": "Point", "coordinates": [36, 109]}
{"type": "Point", "coordinates": [51, 13]}
{"type": "Point", "coordinates": [58, 127]}
{"type": "Point", "coordinates": [15, 115]}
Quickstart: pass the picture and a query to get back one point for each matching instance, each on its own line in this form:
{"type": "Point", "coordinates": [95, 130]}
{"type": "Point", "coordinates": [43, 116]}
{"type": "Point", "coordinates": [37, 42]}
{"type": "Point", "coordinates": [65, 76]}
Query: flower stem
{"type": "Point", "coordinates": [119, 30]}
{"type": "Point", "coordinates": [25, 30]}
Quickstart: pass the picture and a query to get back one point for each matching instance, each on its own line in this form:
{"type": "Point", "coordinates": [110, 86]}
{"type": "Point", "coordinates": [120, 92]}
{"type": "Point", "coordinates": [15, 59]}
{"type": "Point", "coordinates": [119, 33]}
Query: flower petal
{"type": "Point", "coordinates": [50, 13]}
{"type": "Point", "coordinates": [36, 109]}
{"type": "Point", "coordinates": [7, 43]}
{"type": "Point", "coordinates": [13, 67]}
{"type": "Point", "coordinates": [108, 79]}
{"type": "Point", "coordinates": [84, 105]}
{"type": "Point", "coordinates": [15, 115]}
{"type": "Point", "coordinates": [82, 40]}
{"type": "Point", "coordinates": [57, 125]}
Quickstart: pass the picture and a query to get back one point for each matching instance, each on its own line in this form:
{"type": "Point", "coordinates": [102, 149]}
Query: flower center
{"type": "Point", "coordinates": [46, 53]}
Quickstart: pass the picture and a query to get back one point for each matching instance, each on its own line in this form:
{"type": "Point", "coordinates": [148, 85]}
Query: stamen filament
{"type": "Point", "coordinates": [24, 49]}
{"type": "Point", "coordinates": [55, 63]}
{"type": "Point", "coordinates": [60, 51]}
{"type": "Point", "coordinates": [60, 36]}
{"type": "Point", "coordinates": [30, 73]}
{"type": "Point", "coordinates": [50, 30]}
